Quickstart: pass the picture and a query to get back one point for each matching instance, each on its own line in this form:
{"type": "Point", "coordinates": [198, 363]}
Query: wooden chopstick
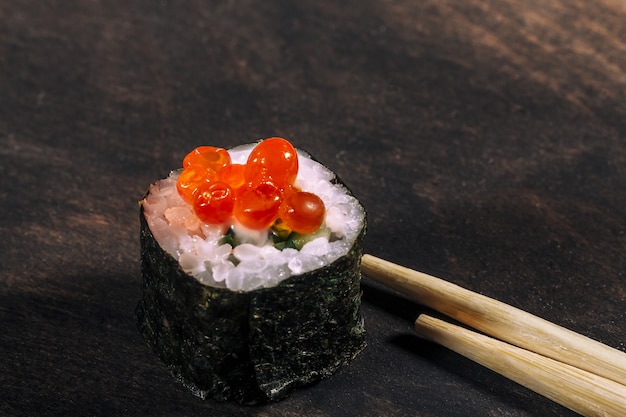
{"type": "Point", "coordinates": [500, 320]}
{"type": "Point", "coordinates": [581, 391]}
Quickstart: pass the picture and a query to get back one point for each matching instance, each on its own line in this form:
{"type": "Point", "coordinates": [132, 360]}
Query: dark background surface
{"type": "Point", "coordinates": [487, 140]}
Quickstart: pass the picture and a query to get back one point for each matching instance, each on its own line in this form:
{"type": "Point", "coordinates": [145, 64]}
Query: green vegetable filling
{"type": "Point", "coordinates": [280, 236]}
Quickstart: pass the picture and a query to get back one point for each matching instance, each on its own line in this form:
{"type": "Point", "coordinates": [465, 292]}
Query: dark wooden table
{"type": "Point", "coordinates": [487, 139]}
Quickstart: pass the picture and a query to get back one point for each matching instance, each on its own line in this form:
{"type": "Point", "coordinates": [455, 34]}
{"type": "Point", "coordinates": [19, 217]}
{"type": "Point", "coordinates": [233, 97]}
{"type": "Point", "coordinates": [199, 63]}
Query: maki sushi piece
{"type": "Point", "coordinates": [250, 264]}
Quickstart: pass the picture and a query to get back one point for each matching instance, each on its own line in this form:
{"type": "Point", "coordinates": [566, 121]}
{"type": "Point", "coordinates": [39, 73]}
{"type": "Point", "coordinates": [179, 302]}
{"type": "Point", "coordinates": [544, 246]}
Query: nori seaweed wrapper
{"type": "Point", "coordinates": [250, 347]}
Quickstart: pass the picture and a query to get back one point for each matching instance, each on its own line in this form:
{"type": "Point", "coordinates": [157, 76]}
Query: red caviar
{"type": "Point", "coordinates": [256, 206]}
{"type": "Point", "coordinates": [302, 212]}
{"type": "Point", "coordinates": [192, 177]}
{"type": "Point", "coordinates": [273, 160]}
{"type": "Point", "coordinates": [209, 156]}
{"type": "Point", "coordinates": [233, 175]}
{"type": "Point", "coordinates": [213, 202]}
{"type": "Point", "coordinates": [256, 194]}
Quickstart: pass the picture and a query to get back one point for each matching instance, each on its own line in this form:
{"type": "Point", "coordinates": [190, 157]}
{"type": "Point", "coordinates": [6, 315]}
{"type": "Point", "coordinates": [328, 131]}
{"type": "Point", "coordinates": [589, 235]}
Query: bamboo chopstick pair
{"type": "Point", "coordinates": [575, 371]}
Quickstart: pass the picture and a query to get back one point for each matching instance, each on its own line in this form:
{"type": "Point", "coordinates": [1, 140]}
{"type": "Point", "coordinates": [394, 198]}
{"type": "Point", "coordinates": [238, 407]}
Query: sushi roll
{"type": "Point", "coordinates": [250, 266]}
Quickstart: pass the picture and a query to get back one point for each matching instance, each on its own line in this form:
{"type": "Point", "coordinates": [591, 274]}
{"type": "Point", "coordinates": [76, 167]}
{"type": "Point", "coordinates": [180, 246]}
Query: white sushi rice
{"type": "Point", "coordinates": [258, 263]}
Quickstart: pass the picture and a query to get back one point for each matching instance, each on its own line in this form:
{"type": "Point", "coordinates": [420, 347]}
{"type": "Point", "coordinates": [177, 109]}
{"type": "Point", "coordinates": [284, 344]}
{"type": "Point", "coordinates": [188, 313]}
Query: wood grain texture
{"type": "Point", "coordinates": [584, 392]}
{"type": "Point", "coordinates": [500, 320]}
{"type": "Point", "coordinates": [485, 139]}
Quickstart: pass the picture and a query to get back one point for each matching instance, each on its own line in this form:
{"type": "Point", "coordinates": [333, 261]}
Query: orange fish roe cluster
{"type": "Point", "coordinates": [257, 194]}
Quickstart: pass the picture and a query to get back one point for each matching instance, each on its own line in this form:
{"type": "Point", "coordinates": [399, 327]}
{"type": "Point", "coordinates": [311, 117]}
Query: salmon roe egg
{"type": "Point", "coordinates": [191, 178]}
{"type": "Point", "coordinates": [256, 206]}
{"type": "Point", "coordinates": [213, 202]}
{"type": "Point", "coordinates": [302, 212]}
{"type": "Point", "coordinates": [256, 193]}
{"type": "Point", "coordinates": [233, 175]}
{"type": "Point", "coordinates": [209, 156]}
{"type": "Point", "coordinates": [272, 160]}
